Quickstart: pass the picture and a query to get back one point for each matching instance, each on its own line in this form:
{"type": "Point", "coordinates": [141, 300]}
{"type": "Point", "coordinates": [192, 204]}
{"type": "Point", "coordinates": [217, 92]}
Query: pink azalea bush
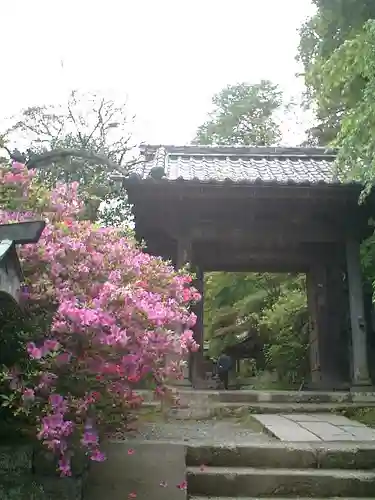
{"type": "Point", "coordinates": [118, 316]}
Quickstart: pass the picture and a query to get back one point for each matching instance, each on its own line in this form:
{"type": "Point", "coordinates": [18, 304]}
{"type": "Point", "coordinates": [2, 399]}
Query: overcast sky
{"type": "Point", "coordinates": [168, 57]}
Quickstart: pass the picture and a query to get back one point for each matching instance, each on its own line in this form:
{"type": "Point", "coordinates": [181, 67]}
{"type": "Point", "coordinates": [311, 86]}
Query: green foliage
{"type": "Point", "coordinates": [17, 327]}
{"type": "Point", "coordinates": [272, 308]}
{"type": "Point", "coordinates": [364, 415]}
{"type": "Point", "coordinates": [335, 23]}
{"type": "Point", "coordinates": [350, 71]}
{"type": "Point", "coordinates": [285, 327]}
{"type": "Point", "coordinates": [243, 115]}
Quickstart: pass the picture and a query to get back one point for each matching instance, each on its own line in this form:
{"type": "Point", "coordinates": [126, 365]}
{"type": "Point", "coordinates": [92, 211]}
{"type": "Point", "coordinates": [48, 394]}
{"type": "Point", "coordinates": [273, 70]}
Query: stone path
{"type": "Point", "coordinates": [215, 432]}
{"type": "Point", "coordinates": [315, 427]}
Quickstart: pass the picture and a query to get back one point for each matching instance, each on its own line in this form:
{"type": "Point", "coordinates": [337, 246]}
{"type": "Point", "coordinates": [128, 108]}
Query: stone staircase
{"type": "Point", "coordinates": [278, 470]}
{"type": "Point", "coordinates": [205, 404]}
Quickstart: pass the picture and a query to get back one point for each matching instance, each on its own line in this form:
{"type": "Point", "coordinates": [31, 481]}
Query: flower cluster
{"type": "Point", "coordinates": [118, 314]}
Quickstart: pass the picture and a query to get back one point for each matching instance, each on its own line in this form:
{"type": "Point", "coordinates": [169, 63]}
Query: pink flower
{"type": "Point", "coordinates": [50, 345]}
{"type": "Point", "coordinates": [63, 358]}
{"type": "Point", "coordinates": [64, 466]}
{"type": "Point", "coordinates": [33, 351]}
{"type": "Point", "coordinates": [97, 456]}
{"type": "Point", "coordinates": [28, 395]}
{"type": "Point", "coordinates": [90, 438]}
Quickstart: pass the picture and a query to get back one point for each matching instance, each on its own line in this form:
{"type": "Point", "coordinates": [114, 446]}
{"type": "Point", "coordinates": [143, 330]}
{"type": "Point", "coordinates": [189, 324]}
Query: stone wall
{"type": "Point", "coordinates": [29, 473]}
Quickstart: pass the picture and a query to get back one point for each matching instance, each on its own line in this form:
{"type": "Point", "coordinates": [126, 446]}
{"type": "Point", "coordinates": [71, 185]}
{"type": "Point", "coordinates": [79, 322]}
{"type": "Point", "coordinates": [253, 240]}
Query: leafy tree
{"type": "Point", "coordinates": [84, 140]}
{"type": "Point", "coordinates": [350, 73]}
{"type": "Point", "coordinates": [334, 22]}
{"type": "Point", "coordinates": [284, 328]}
{"type": "Point", "coordinates": [243, 115]}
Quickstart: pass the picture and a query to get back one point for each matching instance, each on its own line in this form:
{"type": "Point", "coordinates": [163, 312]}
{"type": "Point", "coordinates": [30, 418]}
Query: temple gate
{"type": "Point", "coordinates": [264, 210]}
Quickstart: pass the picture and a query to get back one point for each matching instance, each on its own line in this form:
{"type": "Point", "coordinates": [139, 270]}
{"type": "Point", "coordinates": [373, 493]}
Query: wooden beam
{"type": "Point", "coordinates": [269, 233]}
{"type": "Point", "coordinates": [256, 266]}
{"type": "Point", "coordinates": [301, 253]}
{"type": "Point", "coordinates": [262, 259]}
{"type": "Point", "coordinates": [139, 192]}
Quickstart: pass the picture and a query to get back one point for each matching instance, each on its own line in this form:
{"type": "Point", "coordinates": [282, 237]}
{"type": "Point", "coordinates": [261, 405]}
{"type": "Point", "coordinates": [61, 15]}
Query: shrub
{"type": "Point", "coordinates": [105, 316]}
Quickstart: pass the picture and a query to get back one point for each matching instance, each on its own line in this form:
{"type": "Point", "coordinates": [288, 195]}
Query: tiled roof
{"type": "Point", "coordinates": [238, 164]}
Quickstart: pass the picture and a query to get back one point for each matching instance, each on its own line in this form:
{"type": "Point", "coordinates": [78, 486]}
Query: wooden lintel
{"type": "Point", "coordinates": [137, 193]}
{"type": "Point", "coordinates": [255, 266]}
{"type": "Point", "coordinates": [277, 259]}
{"type": "Point", "coordinates": [305, 253]}
{"type": "Point", "coordinates": [271, 233]}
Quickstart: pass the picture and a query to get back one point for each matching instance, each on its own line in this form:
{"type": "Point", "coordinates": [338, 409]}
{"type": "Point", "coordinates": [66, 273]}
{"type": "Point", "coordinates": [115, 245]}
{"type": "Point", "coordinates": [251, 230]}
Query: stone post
{"type": "Point", "coordinates": [360, 371]}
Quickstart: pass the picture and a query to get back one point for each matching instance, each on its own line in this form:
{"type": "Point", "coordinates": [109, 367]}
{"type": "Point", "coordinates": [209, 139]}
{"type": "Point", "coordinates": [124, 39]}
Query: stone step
{"type": "Point", "coordinates": [241, 408]}
{"type": "Point", "coordinates": [272, 498]}
{"type": "Point", "coordinates": [246, 396]}
{"type": "Point", "coordinates": [278, 455]}
{"type": "Point", "coordinates": [251, 396]}
{"type": "Point", "coordinates": [311, 483]}
{"type": "Point", "coordinates": [209, 410]}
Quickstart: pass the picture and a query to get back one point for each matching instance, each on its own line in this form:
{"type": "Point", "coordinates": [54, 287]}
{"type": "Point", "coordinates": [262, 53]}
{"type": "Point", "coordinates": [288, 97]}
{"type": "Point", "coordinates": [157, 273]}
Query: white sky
{"type": "Point", "coordinates": [167, 56]}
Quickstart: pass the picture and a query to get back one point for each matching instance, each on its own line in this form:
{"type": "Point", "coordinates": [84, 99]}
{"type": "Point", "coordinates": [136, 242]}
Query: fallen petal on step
{"type": "Point", "coordinates": [182, 485]}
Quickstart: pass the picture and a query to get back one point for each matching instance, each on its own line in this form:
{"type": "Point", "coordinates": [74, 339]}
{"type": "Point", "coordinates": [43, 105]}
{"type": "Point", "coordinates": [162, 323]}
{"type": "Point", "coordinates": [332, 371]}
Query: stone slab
{"type": "Point", "coordinates": [283, 429]}
{"type": "Point", "coordinates": [318, 427]}
{"type": "Point", "coordinates": [327, 431]}
{"type": "Point", "coordinates": [360, 433]}
{"type": "Point", "coordinates": [303, 417]}
{"type": "Point", "coordinates": [283, 433]}
{"type": "Point", "coordinates": [265, 419]}
{"type": "Point", "coordinates": [151, 471]}
{"type": "Point", "coordinates": [334, 419]}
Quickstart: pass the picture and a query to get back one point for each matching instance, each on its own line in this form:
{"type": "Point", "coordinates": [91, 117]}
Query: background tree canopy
{"type": "Point", "coordinates": [243, 114]}
{"type": "Point", "coordinates": [328, 41]}
{"type": "Point", "coordinates": [85, 139]}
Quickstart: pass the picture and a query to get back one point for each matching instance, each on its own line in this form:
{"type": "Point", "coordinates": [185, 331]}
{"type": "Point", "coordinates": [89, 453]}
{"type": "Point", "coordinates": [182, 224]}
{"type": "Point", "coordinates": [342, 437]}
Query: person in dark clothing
{"type": "Point", "coordinates": [224, 364]}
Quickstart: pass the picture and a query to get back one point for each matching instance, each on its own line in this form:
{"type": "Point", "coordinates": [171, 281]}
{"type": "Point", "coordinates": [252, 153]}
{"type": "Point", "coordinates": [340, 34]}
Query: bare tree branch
{"type": "Point", "coordinates": [50, 156]}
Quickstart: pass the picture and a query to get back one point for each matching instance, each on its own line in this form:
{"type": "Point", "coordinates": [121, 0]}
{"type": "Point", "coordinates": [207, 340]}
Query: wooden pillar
{"type": "Point", "coordinates": [360, 371]}
{"type": "Point", "coordinates": [183, 251]}
{"type": "Point", "coordinates": [326, 307]}
{"type": "Point", "coordinates": [183, 257]}
{"type": "Point", "coordinates": [199, 308]}
{"type": "Point", "coordinates": [196, 361]}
